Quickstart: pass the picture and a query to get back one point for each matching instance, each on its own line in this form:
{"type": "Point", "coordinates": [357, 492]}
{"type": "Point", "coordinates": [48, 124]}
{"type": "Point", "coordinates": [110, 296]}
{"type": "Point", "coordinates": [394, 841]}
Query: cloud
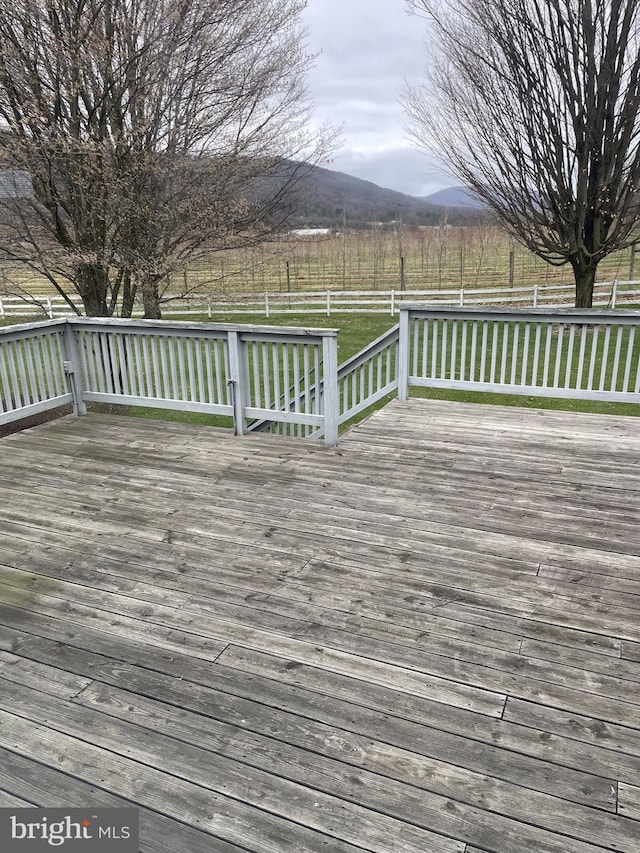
{"type": "Point", "coordinates": [370, 50]}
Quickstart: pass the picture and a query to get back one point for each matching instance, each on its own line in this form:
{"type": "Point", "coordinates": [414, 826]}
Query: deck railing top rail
{"type": "Point", "coordinates": [183, 326]}
{"type": "Point", "coordinates": [576, 315]}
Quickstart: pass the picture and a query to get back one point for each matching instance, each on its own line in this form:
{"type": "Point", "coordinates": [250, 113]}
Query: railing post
{"type": "Point", "coordinates": [238, 381]}
{"type": "Point", "coordinates": [72, 369]}
{"type": "Point", "coordinates": [403, 355]}
{"type": "Point", "coordinates": [331, 398]}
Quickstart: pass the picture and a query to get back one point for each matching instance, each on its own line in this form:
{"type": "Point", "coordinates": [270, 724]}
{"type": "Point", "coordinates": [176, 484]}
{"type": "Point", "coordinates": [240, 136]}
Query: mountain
{"type": "Point", "coordinates": [458, 197]}
{"type": "Point", "coordinates": [328, 198]}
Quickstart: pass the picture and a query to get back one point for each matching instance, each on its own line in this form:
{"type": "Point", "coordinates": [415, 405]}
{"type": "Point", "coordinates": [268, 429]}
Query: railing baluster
{"type": "Point", "coordinates": [504, 343]}
{"type": "Point", "coordinates": [494, 351]}
{"type": "Point", "coordinates": [266, 382]}
{"type": "Point", "coordinates": [605, 355]}
{"type": "Point", "coordinates": [190, 389]}
{"type": "Point", "coordinates": [474, 349]}
{"type": "Point", "coordinates": [547, 356]}
{"type": "Point", "coordinates": [525, 354]}
{"type": "Point", "coordinates": [425, 345]}
{"type": "Point", "coordinates": [416, 344]}
{"type": "Point", "coordinates": [435, 337]}
{"type": "Point", "coordinates": [463, 352]}
{"type": "Point", "coordinates": [558, 361]}
{"type": "Point", "coordinates": [212, 395]}
{"type": "Point", "coordinates": [454, 349]}
{"type": "Point", "coordinates": [165, 360]}
{"type": "Point", "coordinates": [443, 349]}
{"type": "Point", "coordinates": [616, 360]}
{"type": "Point", "coordinates": [581, 355]}
{"type": "Point", "coordinates": [514, 352]}
{"type": "Point", "coordinates": [629, 358]}
{"type": "Point", "coordinates": [592, 359]}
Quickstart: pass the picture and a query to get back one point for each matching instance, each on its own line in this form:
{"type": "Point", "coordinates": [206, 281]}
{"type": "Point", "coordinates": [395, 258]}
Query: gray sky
{"type": "Point", "coordinates": [369, 48]}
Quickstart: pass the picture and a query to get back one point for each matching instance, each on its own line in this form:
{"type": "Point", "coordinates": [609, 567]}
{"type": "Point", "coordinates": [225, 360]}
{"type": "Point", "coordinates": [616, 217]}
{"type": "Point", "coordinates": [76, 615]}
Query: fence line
{"type": "Point", "coordinates": [567, 353]}
{"type": "Point", "coordinates": [288, 380]}
{"type": "Point", "coordinates": [607, 294]}
{"type": "Point", "coordinates": [236, 371]}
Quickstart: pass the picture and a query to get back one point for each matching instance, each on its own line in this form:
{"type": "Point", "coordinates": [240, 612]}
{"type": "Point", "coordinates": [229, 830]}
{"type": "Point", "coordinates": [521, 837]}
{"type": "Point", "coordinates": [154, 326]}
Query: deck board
{"type": "Point", "coordinates": [425, 639]}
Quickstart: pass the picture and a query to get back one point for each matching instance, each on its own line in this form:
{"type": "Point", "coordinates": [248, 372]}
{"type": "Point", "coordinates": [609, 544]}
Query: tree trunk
{"type": "Point", "coordinates": [585, 276]}
{"type": "Point", "coordinates": [128, 295]}
{"type": "Point", "coordinates": [93, 286]}
{"type": "Point", "coordinates": [151, 297]}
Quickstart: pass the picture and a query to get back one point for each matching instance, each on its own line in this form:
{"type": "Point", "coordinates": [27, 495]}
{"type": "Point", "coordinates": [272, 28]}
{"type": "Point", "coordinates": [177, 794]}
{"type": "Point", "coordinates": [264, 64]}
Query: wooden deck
{"type": "Point", "coordinates": [423, 641]}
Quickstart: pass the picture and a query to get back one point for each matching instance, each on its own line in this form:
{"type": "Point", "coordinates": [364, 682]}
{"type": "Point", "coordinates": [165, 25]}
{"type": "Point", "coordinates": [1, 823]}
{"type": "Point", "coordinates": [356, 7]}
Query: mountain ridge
{"type": "Point", "coordinates": [330, 198]}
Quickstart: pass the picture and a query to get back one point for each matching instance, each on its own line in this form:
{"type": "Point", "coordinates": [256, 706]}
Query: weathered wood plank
{"type": "Point", "coordinates": [363, 613]}
{"type": "Point", "coordinates": [629, 800]}
{"type": "Point", "coordinates": [51, 788]}
{"type": "Point", "coordinates": [329, 698]}
{"type": "Point", "coordinates": [589, 729]}
{"type": "Point", "coordinates": [277, 795]}
{"type": "Point", "coordinates": [195, 804]}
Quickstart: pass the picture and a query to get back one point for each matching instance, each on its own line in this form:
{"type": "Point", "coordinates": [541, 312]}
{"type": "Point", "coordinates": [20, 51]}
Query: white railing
{"type": "Point", "coordinates": [237, 371]}
{"type": "Point", "coordinates": [607, 294]}
{"type": "Point", "coordinates": [288, 380]}
{"type": "Point", "coordinates": [570, 353]}
{"type": "Point", "coordinates": [363, 380]}
{"type": "Point", "coordinates": [35, 364]}
{"type": "Point", "coordinates": [369, 376]}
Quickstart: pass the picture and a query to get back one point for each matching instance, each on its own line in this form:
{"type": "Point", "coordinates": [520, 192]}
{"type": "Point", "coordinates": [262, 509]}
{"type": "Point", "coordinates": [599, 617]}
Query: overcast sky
{"type": "Point", "coordinates": [369, 48]}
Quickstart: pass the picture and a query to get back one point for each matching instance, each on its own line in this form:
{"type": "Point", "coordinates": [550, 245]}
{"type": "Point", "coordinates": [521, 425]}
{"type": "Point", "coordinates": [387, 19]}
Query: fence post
{"type": "Point", "coordinates": [614, 292]}
{"type": "Point", "coordinates": [72, 369]}
{"type": "Point", "coordinates": [266, 304]}
{"type": "Point", "coordinates": [393, 303]}
{"type": "Point", "coordinates": [328, 303]}
{"type": "Point", "coordinates": [1, 307]}
{"type": "Point", "coordinates": [535, 295]}
{"type": "Point", "coordinates": [49, 308]}
{"type": "Point", "coordinates": [403, 355]}
{"type": "Point", "coordinates": [462, 297]}
{"type": "Point", "coordinates": [330, 394]}
{"type": "Point", "coordinates": [238, 381]}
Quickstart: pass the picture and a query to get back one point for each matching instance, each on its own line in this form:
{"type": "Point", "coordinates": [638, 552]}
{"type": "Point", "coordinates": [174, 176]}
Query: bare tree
{"type": "Point", "coordinates": [152, 130]}
{"type": "Point", "coordinates": [535, 106]}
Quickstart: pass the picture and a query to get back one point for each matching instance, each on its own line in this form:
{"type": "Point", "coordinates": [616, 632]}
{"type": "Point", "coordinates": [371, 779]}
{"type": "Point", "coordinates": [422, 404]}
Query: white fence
{"type": "Point", "coordinates": [287, 380]}
{"type": "Point", "coordinates": [243, 372]}
{"type": "Point", "coordinates": [569, 353]}
{"type": "Point", "coordinates": [607, 294]}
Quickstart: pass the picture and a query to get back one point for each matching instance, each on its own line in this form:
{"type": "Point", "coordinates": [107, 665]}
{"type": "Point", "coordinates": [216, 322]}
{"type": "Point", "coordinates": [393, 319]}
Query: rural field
{"type": "Point", "coordinates": [430, 258]}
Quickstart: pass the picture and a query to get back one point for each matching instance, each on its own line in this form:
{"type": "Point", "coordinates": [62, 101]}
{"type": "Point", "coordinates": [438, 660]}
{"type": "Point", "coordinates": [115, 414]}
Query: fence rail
{"type": "Point", "coordinates": [607, 294]}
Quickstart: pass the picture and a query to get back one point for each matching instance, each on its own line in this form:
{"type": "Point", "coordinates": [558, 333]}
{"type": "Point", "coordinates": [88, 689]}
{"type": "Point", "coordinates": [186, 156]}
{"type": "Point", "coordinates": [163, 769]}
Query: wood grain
{"type": "Point", "coordinates": [425, 639]}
